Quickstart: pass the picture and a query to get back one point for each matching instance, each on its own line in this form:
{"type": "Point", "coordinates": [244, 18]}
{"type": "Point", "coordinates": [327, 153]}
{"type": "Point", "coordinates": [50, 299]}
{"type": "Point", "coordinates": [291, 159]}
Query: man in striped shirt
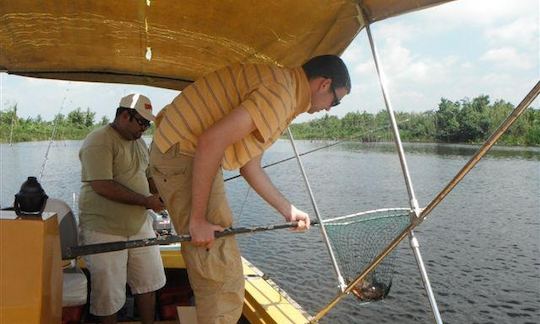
{"type": "Point", "coordinates": [227, 119]}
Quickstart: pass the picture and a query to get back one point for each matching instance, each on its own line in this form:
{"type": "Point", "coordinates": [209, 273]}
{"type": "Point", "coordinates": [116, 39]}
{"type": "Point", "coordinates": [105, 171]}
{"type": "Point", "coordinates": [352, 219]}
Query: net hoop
{"type": "Point", "coordinates": [372, 213]}
{"type": "Point", "coordinates": [358, 238]}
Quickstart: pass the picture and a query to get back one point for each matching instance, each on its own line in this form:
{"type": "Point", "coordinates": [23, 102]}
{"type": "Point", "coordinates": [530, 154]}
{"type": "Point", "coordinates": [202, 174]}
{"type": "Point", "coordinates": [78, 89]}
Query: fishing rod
{"type": "Point", "coordinates": [13, 118]}
{"type": "Point", "coordinates": [77, 251]}
{"type": "Point", "coordinates": [51, 140]}
{"type": "Point", "coordinates": [318, 148]}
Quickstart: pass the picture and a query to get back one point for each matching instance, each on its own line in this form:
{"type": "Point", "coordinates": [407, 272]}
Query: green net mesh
{"type": "Point", "coordinates": [357, 239]}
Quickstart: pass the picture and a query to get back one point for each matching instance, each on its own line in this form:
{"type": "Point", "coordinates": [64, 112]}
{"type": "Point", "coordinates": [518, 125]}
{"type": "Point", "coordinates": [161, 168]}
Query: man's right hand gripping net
{"type": "Point", "coordinates": [357, 239]}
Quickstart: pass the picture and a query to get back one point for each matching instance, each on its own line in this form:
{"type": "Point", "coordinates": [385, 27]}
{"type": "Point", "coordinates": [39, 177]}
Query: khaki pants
{"type": "Point", "coordinates": [215, 275]}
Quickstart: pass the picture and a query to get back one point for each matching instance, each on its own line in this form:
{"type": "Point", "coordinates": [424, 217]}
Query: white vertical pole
{"type": "Point", "coordinates": [412, 198]}
{"type": "Point", "coordinates": [341, 281]}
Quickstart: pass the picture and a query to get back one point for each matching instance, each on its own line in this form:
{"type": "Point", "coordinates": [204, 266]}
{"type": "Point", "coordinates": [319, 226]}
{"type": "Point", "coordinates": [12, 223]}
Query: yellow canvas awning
{"type": "Point", "coordinates": [169, 43]}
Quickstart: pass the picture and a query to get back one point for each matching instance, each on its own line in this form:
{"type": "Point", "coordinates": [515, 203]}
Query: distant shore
{"type": "Point", "coordinates": [499, 144]}
{"type": "Point", "coordinates": [453, 122]}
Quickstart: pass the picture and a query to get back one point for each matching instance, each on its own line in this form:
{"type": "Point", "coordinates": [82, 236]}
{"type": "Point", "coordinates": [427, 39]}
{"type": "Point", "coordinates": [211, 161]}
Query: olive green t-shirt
{"type": "Point", "coordinates": [105, 155]}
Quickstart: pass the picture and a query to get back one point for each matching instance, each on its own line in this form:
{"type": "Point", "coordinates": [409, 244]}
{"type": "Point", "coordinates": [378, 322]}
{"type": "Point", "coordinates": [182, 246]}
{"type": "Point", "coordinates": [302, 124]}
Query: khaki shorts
{"type": "Point", "coordinates": [141, 268]}
{"type": "Point", "coordinates": [216, 275]}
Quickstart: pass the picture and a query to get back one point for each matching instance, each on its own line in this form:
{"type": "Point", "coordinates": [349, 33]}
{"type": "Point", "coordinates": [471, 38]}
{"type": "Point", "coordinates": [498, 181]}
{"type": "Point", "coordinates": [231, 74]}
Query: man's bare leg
{"type": "Point", "coordinates": [146, 304]}
{"type": "Point", "coordinates": [111, 319]}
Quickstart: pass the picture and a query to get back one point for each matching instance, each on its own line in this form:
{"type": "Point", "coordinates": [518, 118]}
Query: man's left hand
{"type": "Point", "coordinates": [154, 202]}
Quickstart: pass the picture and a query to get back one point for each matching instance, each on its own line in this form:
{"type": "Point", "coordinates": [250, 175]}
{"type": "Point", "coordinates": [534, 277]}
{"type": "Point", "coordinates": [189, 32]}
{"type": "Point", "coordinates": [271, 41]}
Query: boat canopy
{"type": "Point", "coordinates": [169, 44]}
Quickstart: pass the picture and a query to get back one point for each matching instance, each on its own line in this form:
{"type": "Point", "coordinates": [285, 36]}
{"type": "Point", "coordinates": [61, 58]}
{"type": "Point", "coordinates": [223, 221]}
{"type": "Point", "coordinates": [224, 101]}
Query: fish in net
{"type": "Point", "coordinates": [358, 239]}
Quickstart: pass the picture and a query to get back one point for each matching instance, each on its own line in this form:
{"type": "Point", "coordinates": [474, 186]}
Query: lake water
{"type": "Point", "coordinates": [481, 245]}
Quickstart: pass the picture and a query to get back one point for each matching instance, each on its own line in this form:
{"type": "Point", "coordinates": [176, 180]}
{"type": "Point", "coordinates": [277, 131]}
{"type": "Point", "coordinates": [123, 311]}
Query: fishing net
{"type": "Point", "coordinates": [357, 239]}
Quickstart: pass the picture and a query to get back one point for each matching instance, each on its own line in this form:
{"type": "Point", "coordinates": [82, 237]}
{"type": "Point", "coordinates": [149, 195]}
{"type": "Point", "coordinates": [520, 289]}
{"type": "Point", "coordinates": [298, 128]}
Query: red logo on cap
{"type": "Point", "coordinates": [147, 106]}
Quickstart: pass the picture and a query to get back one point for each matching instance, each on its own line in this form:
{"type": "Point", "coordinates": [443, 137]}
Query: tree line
{"type": "Point", "coordinates": [75, 125]}
{"type": "Point", "coordinates": [463, 121]}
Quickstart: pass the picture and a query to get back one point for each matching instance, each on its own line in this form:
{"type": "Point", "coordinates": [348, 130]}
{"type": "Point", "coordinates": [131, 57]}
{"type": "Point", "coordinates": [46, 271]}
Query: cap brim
{"type": "Point", "coordinates": [146, 115]}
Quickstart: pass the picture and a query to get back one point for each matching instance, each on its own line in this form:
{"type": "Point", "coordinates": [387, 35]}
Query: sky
{"type": "Point", "coordinates": [456, 51]}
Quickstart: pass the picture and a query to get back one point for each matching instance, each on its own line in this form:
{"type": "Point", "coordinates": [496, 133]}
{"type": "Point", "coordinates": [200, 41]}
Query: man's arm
{"type": "Point", "coordinates": [112, 190]}
{"type": "Point", "coordinates": [211, 147]}
{"type": "Point", "coordinates": [261, 183]}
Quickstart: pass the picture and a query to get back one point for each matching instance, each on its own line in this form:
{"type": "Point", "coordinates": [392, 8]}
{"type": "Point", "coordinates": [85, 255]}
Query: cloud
{"type": "Point", "coordinates": [404, 67]}
{"type": "Point", "coordinates": [521, 32]}
{"type": "Point", "coordinates": [455, 50]}
{"type": "Point", "coordinates": [480, 12]}
{"type": "Point", "coordinates": [354, 53]}
{"type": "Point", "coordinates": [401, 29]}
{"type": "Point", "coordinates": [507, 57]}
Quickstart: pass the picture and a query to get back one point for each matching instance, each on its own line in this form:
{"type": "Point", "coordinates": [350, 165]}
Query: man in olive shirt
{"type": "Point", "coordinates": [115, 193]}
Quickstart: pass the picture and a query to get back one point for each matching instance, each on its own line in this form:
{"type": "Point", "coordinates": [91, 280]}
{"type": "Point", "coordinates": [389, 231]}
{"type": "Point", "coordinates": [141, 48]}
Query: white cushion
{"type": "Point", "coordinates": [74, 290]}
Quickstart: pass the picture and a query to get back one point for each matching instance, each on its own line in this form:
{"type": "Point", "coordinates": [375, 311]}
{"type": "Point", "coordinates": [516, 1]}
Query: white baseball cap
{"type": "Point", "coordinates": [140, 103]}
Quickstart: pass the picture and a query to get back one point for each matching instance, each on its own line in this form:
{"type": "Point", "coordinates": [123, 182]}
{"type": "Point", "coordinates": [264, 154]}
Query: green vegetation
{"type": "Point", "coordinates": [464, 121]}
{"type": "Point", "coordinates": [75, 125]}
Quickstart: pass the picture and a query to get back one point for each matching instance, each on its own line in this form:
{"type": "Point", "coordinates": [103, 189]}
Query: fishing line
{"type": "Point", "coordinates": [244, 202]}
{"type": "Point", "coordinates": [13, 120]}
{"type": "Point", "coordinates": [360, 134]}
{"type": "Point", "coordinates": [46, 158]}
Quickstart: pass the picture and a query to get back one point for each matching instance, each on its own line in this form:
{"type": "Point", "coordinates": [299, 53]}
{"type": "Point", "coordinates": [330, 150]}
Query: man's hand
{"type": "Point", "coordinates": [154, 202]}
{"type": "Point", "coordinates": [299, 216]}
{"type": "Point", "coordinates": [202, 232]}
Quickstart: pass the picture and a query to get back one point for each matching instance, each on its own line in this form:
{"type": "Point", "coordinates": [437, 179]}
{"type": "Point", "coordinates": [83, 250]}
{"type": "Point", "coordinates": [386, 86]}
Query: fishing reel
{"type": "Point", "coordinates": [31, 199]}
{"type": "Point", "coordinates": [161, 222]}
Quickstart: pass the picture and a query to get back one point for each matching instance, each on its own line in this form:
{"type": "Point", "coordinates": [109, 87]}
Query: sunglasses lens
{"type": "Point", "coordinates": [336, 99]}
{"type": "Point", "coordinates": [141, 121]}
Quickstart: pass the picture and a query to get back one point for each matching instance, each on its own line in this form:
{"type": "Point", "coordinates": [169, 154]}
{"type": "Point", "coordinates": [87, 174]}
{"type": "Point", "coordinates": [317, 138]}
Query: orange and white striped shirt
{"type": "Point", "coordinates": [273, 97]}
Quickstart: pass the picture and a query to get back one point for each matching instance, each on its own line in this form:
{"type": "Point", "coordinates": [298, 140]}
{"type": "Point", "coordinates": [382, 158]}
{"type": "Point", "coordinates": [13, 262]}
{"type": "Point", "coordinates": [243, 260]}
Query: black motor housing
{"type": "Point", "coordinates": [31, 199]}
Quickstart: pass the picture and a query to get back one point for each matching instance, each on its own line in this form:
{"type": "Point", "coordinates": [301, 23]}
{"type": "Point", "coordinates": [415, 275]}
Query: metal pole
{"type": "Point", "coordinates": [408, 182]}
{"type": "Point", "coordinates": [397, 138]}
{"type": "Point", "coordinates": [341, 282]}
{"type": "Point", "coordinates": [415, 246]}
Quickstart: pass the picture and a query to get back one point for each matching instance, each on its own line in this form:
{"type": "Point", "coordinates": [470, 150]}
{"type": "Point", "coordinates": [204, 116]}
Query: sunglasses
{"type": "Point", "coordinates": [336, 100]}
{"type": "Point", "coordinates": [141, 121]}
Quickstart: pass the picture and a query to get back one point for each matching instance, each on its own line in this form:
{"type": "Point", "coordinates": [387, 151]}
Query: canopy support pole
{"type": "Point", "coordinates": [408, 182]}
{"type": "Point", "coordinates": [341, 281]}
